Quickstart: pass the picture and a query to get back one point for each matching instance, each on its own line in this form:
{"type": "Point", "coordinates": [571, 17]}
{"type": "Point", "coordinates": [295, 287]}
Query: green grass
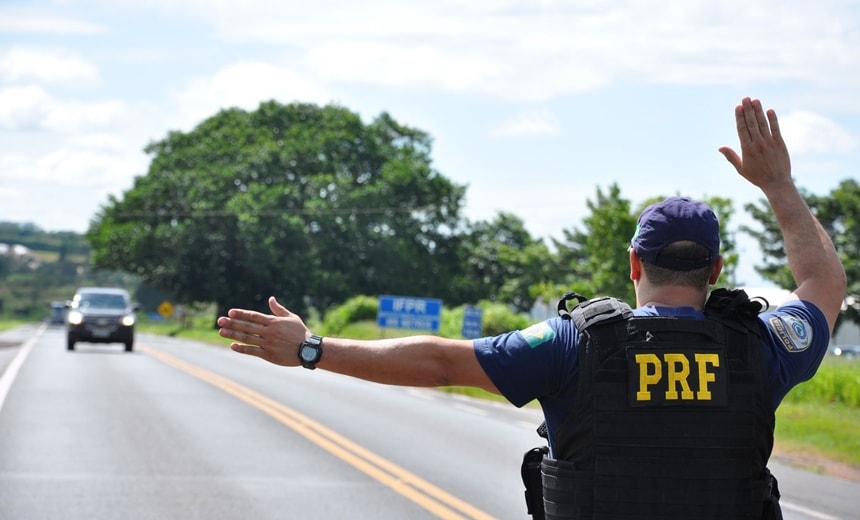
{"type": "Point", "coordinates": [831, 431]}
{"type": "Point", "coordinates": [197, 331]}
{"type": "Point", "coordinates": [6, 324]}
{"type": "Point", "coordinates": [821, 417]}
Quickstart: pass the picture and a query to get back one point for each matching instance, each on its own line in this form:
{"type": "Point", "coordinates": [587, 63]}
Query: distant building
{"type": "Point", "coordinates": [20, 255]}
{"type": "Point", "coordinates": [15, 249]}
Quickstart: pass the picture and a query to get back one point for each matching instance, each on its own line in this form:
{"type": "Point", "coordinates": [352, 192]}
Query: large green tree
{"type": "Point", "coordinates": [593, 259]}
{"type": "Point", "coordinates": [303, 202]}
{"type": "Point", "coordinates": [500, 261]}
{"type": "Point", "coordinates": [839, 214]}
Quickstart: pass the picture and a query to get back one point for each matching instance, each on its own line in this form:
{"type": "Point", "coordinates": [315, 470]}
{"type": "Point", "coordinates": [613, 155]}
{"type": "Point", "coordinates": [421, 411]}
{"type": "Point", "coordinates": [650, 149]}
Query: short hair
{"type": "Point", "coordinates": [684, 249]}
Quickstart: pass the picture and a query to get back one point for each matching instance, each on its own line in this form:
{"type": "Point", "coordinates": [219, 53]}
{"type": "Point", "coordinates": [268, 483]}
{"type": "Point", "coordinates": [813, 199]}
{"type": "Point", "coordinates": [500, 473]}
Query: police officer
{"type": "Point", "coordinates": [671, 417]}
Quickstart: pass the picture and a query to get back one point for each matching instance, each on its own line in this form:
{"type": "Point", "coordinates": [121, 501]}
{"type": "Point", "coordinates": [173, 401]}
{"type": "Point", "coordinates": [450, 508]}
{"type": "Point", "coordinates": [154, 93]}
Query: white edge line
{"type": "Point", "coordinates": [11, 372]}
{"type": "Point", "coordinates": [806, 511]}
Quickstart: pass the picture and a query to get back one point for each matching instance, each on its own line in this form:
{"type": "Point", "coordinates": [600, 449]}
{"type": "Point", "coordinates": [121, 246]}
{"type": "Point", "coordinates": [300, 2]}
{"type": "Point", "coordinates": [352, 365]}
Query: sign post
{"type": "Point", "coordinates": [472, 322]}
{"type": "Point", "coordinates": [409, 312]}
{"type": "Point", "coordinates": [165, 308]}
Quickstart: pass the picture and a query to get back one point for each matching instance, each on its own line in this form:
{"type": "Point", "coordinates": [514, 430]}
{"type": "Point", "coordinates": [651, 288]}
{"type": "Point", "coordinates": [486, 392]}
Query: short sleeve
{"type": "Point", "coordinates": [531, 363]}
{"type": "Point", "coordinates": [796, 340]}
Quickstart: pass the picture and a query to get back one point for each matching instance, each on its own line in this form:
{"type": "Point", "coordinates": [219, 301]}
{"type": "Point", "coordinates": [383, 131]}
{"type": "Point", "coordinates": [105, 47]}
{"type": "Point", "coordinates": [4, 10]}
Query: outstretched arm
{"type": "Point", "coordinates": [765, 162]}
{"type": "Point", "coordinates": [407, 361]}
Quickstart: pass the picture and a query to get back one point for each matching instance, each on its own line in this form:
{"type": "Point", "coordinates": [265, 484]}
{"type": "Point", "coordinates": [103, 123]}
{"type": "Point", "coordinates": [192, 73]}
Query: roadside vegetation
{"type": "Point", "coordinates": [821, 417]}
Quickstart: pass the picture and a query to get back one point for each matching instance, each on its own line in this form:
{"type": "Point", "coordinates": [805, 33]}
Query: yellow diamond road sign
{"type": "Point", "coordinates": [165, 309]}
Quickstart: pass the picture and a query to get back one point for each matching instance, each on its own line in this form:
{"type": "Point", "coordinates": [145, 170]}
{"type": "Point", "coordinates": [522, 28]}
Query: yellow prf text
{"type": "Point", "coordinates": [675, 368]}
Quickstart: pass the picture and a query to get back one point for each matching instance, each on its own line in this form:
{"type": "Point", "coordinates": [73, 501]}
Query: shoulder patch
{"type": "Point", "coordinates": [794, 334]}
{"type": "Point", "coordinates": [538, 334]}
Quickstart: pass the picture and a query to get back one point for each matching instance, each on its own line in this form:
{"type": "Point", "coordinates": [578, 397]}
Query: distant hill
{"type": "Point", "coordinates": [34, 238]}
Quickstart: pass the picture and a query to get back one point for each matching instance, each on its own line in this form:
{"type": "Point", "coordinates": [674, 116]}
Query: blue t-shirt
{"type": "Point", "coordinates": [541, 362]}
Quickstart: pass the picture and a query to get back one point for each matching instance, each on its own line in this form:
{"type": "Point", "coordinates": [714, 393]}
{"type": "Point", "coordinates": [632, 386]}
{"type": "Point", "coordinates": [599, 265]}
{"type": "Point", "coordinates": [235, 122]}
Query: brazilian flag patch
{"type": "Point", "coordinates": [538, 334]}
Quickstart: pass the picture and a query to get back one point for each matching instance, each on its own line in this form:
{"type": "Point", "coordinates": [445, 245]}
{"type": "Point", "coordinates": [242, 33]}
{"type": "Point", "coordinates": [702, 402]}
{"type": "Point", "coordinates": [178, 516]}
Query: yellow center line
{"type": "Point", "coordinates": [437, 501]}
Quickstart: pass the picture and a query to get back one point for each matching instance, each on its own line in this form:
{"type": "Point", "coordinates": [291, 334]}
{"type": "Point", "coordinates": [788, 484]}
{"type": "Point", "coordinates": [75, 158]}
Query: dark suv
{"type": "Point", "coordinates": [100, 315]}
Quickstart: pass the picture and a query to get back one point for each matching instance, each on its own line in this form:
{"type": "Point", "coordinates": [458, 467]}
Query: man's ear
{"type": "Point", "coordinates": [635, 266]}
{"type": "Point", "coordinates": [716, 270]}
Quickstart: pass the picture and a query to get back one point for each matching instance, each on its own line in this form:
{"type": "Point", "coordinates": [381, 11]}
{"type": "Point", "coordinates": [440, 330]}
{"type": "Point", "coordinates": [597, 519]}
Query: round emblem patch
{"type": "Point", "coordinates": [794, 333]}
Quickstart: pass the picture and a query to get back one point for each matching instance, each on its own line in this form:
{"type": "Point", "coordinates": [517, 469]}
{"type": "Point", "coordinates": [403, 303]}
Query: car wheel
{"type": "Point", "coordinates": [70, 344]}
{"type": "Point", "coordinates": [129, 346]}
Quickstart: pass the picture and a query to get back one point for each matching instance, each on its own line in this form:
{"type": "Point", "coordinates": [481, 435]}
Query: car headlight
{"type": "Point", "coordinates": [127, 320]}
{"type": "Point", "coordinates": [75, 318]}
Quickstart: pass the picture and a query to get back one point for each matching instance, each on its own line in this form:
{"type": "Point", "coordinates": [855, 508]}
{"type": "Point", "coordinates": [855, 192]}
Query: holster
{"type": "Point", "coordinates": [771, 510]}
{"type": "Point", "coordinates": [532, 480]}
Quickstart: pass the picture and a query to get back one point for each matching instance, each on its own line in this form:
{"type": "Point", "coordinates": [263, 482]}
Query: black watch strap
{"type": "Point", "coordinates": [310, 351]}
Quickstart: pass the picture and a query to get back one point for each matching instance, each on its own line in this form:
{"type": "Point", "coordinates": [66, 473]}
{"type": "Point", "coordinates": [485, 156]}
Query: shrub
{"type": "Point", "coordinates": [836, 381]}
{"type": "Point", "coordinates": [497, 318]}
{"type": "Point", "coordinates": [357, 308]}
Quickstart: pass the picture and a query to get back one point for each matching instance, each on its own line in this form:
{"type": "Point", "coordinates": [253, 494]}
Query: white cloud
{"type": "Point", "coordinates": [523, 51]}
{"type": "Point", "coordinates": [531, 123]}
{"type": "Point", "coordinates": [78, 116]}
{"type": "Point", "coordinates": [807, 133]}
{"type": "Point", "coordinates": [75, 166]}
{"type": "Point", "coordinates": [46, 66]}
{"type": "Point", "coordinates": [33, 108]}
{"type": "Point", "coordinates": [449, 65]}
{"type": "Point", "coordinates": [23, 108]}
{"type": "Point", "coordinates": [242, 85]}
{"type": "Point", "coordinates": [527, 51]}
{"type": "Point", "coordinates": [40, 21]}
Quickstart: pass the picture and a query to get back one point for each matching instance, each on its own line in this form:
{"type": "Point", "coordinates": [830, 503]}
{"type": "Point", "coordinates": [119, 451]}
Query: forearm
{"type": "Point", "coordinates": [425, 361]}
{"type": "Point", "coordinates": [812, 258]}
{"type": "Point", "coordinates": [408, 361]}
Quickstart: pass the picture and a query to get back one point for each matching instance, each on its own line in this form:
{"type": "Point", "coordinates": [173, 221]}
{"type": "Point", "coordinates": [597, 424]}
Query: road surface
{"type": "Point", "coordinates": [184, 430]}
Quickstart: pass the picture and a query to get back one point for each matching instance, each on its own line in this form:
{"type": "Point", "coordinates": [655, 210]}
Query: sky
{"type": "Point", "coordinates": [533, 105]}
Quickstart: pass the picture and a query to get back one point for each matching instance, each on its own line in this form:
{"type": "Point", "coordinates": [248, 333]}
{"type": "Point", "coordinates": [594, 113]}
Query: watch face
{"type": "Point", "coordinates": [308, 353]}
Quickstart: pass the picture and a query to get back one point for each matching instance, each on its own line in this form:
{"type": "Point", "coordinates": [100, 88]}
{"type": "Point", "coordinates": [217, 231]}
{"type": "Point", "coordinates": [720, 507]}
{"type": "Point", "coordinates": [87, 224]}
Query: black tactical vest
{"type": "Point", "coordinates": [673, 417]}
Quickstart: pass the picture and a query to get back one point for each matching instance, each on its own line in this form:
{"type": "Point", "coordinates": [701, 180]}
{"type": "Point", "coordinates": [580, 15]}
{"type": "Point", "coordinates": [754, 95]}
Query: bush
{"type": "Point", "coordinates": [500, 318]}
{"type": "Point", "coordinates": [357, 308]}
{"type": "Point", "coordinates": [497, 318]}
{"type": "Point", "coordinates": [836, 381]}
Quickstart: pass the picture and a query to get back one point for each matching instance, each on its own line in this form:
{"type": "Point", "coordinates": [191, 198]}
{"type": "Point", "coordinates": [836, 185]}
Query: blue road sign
{"type": "Point", "coordinates": [409, 312]}
{"type": "Point", "coordinates": [472, 322]}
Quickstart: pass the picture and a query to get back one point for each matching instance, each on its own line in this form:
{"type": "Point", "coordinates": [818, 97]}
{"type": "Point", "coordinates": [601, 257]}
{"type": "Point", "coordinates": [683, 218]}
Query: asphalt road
{"type": "Point", "coordinates": [182, 430]}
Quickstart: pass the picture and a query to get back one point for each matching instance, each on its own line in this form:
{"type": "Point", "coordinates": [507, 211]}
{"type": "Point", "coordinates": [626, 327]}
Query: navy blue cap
{"type": "Point", "coordinates": [672, 220]}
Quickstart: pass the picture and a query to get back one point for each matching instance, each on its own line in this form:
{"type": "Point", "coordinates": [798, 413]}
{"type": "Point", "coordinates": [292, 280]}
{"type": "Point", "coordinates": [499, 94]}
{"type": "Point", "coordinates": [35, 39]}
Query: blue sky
{"type": "Point", "coordinates": [532, 104]}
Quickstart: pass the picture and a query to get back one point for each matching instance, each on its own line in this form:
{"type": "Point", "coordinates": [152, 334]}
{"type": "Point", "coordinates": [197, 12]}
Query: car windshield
{"type": "Point", "coordinates": [102, 301]}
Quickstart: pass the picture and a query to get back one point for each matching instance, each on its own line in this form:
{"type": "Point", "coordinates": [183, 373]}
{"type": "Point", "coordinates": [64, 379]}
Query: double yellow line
{"type": "Point", "coordinates": [433, 499]}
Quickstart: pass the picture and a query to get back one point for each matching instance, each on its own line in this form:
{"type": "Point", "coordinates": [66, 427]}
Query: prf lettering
{"type": "Point", "coordinates": [675, 368]}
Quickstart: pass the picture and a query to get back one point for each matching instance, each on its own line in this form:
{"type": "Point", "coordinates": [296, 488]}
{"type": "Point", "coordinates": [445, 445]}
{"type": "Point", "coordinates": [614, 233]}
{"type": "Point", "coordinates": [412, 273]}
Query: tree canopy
{"type": "Point", "coordinates": [839, 214]}
{"type": "Point", "coordinates": [300, 201]}
{"type": "Point", "coordinates": [314, 206]}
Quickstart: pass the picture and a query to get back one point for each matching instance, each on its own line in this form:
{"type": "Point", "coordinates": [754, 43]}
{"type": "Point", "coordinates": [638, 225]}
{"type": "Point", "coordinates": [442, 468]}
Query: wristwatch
{"type": "Point", "coordinates": [310, 352]}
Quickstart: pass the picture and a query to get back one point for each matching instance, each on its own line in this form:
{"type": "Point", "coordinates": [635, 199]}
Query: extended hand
{"type": "Point", "coordinates": [275, 338]}
{"type": "Point", "coordinates": [765, 157]}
